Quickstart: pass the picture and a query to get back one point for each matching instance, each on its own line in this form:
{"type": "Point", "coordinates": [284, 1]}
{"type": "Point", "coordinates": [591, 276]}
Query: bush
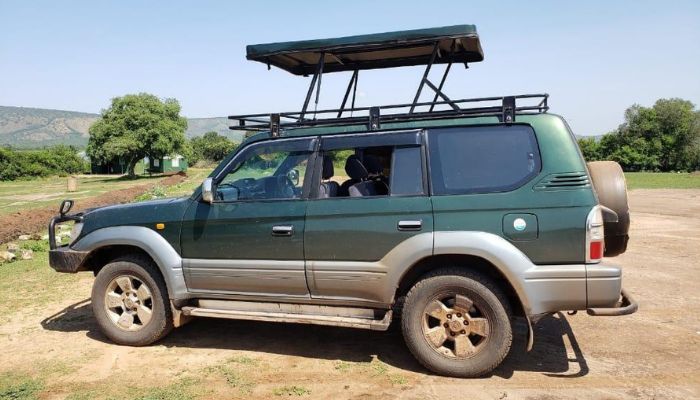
{"type": "Point", "coordinates": [57, 160]}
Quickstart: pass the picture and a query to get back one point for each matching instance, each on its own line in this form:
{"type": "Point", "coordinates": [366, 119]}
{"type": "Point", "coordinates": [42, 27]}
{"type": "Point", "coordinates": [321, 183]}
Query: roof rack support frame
{"type": "Point", "coordinates": [442, 83]}
{"type": "Point", "coordinates": [425, 76]}
{"type": "Point", "coordinates": [351, 84]}
{"type": "Point", "coordinates": [438, 92]}
{"type": "Point", "coordinates": [437, 89]}
{"type": "Point", "coordinates": [316, 78]}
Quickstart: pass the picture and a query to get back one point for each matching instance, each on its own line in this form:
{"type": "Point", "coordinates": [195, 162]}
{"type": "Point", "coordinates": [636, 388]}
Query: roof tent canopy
{"type": "Point", "coordinates": [459, 43]}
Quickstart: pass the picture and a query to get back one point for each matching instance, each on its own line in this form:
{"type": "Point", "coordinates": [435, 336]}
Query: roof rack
{"type": "Point", "coordinates": [505, 108]}
{"type": "Point", "coordinates": [445, 45]}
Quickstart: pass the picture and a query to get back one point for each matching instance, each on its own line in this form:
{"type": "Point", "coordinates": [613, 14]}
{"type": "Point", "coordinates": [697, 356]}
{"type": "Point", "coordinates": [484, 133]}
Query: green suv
{"type": "Point", "coordinates": [448, 217]}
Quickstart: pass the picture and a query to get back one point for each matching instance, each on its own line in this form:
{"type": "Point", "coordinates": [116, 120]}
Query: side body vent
{"type": "Point", "coordinates": [564, 181]}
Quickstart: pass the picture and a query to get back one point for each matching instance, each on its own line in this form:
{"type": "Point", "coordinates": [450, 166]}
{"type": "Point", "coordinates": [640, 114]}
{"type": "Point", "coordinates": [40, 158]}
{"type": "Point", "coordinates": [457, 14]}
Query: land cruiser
{"type": "Point", "coordinates": [449, 217]}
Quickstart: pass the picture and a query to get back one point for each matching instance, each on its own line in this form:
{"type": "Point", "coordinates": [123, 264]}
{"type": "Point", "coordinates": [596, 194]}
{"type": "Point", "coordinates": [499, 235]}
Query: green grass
{"type": "Point", "coordinates": [184, 389]}
{"type": "Point", "coordinates": [41, 192]}
{"type": "Point", "coordinates": [291, 391]}
{"type": "Point", "coordinates": [19, 387]}
{"type": "Point", "coordinates": [662, 180]}
{"type": "Point", "coordinates": [195, 176]}
{"type": "Point", "coordinates": [31, 283]}
{"type": "Point", "coordinates": [235, 371]}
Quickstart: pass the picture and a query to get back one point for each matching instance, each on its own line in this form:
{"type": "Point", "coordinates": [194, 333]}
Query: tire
{"type": "Point", "coordinates": [110, 283]}
{"type": "Point", "coordinates": [609, 183]}
{"type": "Point", "coordinates": [487, 325]}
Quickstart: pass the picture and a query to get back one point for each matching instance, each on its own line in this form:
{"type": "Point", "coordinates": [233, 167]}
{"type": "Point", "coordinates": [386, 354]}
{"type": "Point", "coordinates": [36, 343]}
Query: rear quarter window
{"type": "Point", "coordinates": [482, 159]}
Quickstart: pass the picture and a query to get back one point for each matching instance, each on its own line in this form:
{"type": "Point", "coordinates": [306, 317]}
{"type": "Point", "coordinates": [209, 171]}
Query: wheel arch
{"type": "Point", "coordinates": [114, 241]}
{"type": "Point", "coordinates": [102, 256]}
{"type": "Point", "coordinates": [465, 261]}
{"type": "Point", "coordinates": [487, 252]}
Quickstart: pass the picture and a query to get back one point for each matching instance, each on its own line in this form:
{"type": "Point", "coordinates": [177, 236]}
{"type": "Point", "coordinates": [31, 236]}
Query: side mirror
{"type": "Point", "coordinates": [66, 205]}
{"type": "Point", "coordinates": [208, 190]}
{"type": "Point", "coordinates": [293, 176]}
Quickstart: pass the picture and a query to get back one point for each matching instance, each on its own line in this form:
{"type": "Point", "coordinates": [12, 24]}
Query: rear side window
{"type": "Point", "coordinates": [482, 159]}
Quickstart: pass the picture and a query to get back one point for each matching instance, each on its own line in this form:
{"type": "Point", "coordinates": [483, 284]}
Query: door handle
{"type": "Point", "coordinates": [410, 225]}
{"type": "Point", "coordinates": [282, 230]}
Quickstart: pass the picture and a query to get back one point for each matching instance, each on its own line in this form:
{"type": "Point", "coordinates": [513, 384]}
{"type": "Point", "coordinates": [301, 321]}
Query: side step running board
{"type": "Point", "coordinates": [331, 320]}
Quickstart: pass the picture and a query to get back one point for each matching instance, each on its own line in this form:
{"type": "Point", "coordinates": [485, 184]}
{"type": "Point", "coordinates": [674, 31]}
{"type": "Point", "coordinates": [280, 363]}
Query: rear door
{"type": "Point", "coordinates": [346, 238]}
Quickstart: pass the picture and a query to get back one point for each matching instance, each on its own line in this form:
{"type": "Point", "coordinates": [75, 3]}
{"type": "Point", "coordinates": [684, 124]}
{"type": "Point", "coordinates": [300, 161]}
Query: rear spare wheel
{"type": "Point", "coordinates": [609, 183]}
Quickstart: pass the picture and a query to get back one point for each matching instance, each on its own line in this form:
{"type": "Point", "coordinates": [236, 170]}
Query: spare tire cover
{"type": "Point", "coordinates": [609, 183]}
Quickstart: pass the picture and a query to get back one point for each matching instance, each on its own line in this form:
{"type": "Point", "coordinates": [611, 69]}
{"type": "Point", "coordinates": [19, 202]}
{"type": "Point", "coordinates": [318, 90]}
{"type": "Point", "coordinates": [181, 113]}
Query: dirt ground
{"type": "Point", "coordinates": [654, 353]}
{"type": "Point", "coordinates": [30, 221]}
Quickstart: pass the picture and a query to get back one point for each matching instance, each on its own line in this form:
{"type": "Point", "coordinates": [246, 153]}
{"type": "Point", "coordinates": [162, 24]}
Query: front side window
{"type": "Point", "coordinates": [482, 159]}
{"type": "Point", "coordinates": [265, 174]}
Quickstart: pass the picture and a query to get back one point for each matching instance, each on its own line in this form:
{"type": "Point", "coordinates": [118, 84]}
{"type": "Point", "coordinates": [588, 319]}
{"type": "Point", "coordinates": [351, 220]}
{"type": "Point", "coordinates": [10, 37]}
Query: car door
{"type": "Point", "coordinates": [346, 239]}
{"type": "Point", "coordinates": [249, 240]}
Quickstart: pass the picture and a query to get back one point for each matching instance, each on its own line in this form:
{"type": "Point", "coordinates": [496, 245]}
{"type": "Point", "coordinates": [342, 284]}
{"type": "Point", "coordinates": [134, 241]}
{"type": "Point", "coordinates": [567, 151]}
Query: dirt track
{"type": "Point", "coordinates": [32, 220]}
{"type": "Point", "coordinates": [654, 353]}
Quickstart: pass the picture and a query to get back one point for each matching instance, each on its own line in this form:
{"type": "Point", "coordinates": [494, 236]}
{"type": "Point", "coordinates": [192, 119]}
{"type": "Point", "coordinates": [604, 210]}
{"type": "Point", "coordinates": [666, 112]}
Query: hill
{"type": "Point", "coordinates": [23, 127]}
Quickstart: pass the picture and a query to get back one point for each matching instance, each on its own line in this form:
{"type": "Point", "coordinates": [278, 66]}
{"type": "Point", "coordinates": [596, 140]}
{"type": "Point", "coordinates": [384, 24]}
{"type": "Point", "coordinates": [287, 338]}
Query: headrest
{"type": "Point", "coordinates": [327, 172]}
{"type": "Point", "coordinates": [355, 169]}
{"type": "Point", "coordinates": [373, 165]}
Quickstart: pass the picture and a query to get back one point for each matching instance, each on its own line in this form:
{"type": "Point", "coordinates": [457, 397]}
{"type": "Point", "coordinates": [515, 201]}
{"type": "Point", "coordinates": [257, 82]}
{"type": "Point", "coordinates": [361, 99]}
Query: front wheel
{"type": "Point", "coordinates": [130, 302]}
{"type": "Point", "coordinates": [456, 323]}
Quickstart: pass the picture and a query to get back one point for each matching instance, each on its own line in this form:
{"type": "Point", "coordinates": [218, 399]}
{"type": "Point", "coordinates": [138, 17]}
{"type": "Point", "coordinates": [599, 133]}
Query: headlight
{"type": "Point", "coordinates": [75, 232]}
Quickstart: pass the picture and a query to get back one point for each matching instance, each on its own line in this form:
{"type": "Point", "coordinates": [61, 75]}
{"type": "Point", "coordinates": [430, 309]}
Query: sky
{"type": "Point", "coordinates": [594, 58]}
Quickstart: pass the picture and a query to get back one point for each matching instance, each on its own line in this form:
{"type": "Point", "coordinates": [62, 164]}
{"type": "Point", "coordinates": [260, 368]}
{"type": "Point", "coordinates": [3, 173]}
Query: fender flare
{"type": "Point", "coordinates": [508, 260]}
{"type": "Point", "coordinates": [163, 254]}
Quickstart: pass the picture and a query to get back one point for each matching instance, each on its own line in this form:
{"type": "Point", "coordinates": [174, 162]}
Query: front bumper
{"type": "Point", "coordinates": [65, 259]}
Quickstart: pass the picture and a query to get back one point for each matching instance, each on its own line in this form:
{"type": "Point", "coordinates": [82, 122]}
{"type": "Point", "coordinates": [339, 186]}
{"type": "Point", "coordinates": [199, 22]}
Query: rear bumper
{"type": "Point", "coordinates": [625, 306]}
{"type": "Point", "coordinates": [65, 259]}
{"type": "Point", "coordinates": [596, 288]}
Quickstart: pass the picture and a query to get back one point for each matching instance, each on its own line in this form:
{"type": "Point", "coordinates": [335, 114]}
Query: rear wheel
{"type": "Point", "coordinates": [457, 323]}
{"type": "Point", "coordinates": [130, 302]}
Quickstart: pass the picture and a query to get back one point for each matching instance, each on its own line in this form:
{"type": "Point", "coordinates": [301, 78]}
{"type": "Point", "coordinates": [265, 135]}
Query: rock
{"type": "Point", "coordinates": [24, 237]}
{"type": "Point", "coordinates": [45, 237]}
{"type": "Point", "coordinates": [7, 256]}
{"type": "Point", "coordinates": [12, 247]}
{"type": "Point", "coordinates": [38, 236]}
{"type": "Point", "coordinates": [26, 254]}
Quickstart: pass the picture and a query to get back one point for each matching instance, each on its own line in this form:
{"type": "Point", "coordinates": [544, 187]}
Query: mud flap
{"type": "Point", "coordinates": [530, 334]}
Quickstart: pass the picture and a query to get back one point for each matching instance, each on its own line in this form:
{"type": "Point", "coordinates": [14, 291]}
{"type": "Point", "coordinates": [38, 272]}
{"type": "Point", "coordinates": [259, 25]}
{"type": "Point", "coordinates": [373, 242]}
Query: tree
{"type": "Point", "coordinates": [589, 148]}
{"type": "Point", "coordinates": [137, 126]}
{"type": "Point", "coordinates": [211, 146]}
{"type": "Point", "coordinates": [663, 137]}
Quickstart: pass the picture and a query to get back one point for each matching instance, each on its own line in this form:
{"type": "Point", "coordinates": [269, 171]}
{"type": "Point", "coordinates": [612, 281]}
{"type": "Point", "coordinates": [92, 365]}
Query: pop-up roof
{"type": "Point", "coordinates": [446, 45]}
{"type": "Point", "coordinates": [458, 44]}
